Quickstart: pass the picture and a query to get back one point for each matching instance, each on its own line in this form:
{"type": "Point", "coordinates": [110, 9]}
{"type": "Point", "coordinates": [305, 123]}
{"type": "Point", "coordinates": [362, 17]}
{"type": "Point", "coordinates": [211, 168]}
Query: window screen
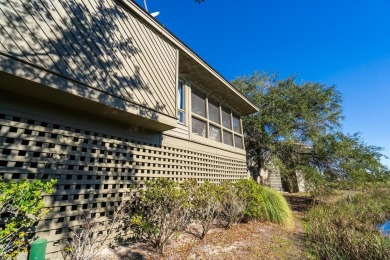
{"type": "Point", "coordinates": [215, 133]}
{"type": "Point", "coordinates": [214, 112]}
{"type": "Point", "coordinates": [238, 141]}
{"type": "Point", "coordinates": [198, 127]}
{"type": "Point", "coordinates": [236, 124]}
{"type": "Point", "coordinates": [227, 138]}
{"type": "Point", "coordinates": [226, 120]}
{"type": "Point", "coordinates": [198, 103]}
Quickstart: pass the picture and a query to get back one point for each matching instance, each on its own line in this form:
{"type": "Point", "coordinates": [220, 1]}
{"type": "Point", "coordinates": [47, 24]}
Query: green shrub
{"type": "Point", "coordinates": [205, 205]}
{"type": "Point", "coordinates": [232, 204]}
{"type": "Point", "coordinates": [86, 241]}
{"type": "Point", "coordinates": [276, 208]}
{"type": "Point", "coordinates": [254, 202]}
{"type": "Point", "coordinates": [347, 228]}
{"type": "Point", "coordinates": [21, 206]}
{"type": "Point", "coordinates": [163, 210]}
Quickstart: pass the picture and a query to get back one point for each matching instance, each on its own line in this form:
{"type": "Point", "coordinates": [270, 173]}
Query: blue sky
{"type": "Point", "coordinates": [342, 43]}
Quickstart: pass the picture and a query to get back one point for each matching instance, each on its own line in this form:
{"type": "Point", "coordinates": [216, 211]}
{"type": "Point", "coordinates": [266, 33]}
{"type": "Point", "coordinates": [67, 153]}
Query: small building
{"type": "Point", "coordinates": [99, 95]}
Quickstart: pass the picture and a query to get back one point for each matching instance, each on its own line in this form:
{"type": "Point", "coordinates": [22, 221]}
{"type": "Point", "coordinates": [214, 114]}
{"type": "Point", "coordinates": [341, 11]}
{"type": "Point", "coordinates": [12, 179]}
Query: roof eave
{"type": "Point", "coordinates": [246, 107]}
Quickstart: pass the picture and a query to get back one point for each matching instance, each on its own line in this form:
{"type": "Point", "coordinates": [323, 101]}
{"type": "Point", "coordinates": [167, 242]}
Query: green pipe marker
{"type": "Point", "coordinates": [38, 249]}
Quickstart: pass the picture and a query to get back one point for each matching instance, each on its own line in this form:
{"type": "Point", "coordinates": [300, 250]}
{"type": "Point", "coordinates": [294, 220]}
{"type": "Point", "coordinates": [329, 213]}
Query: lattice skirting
{"type": "Point", "coordinates": [95, 161]}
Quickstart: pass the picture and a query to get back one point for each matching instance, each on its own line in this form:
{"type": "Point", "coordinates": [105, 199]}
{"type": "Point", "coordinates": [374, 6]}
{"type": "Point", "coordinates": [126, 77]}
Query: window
{"type": "Point", "coordinates": [215, 133]}
{"type": "Point", "coordinates": [198, 103]}
{"type": "Point", "coordinates": [238, 141]}
{"type": "Point", "coordinates": [227, 138]}
{"type": "Point", "coordinates": [226, 119]}
{"type": "Point", "coordinates": [236, 124]}
{"type": "Point", "coordinates": [211, 120]}
{"type": "Point", "coordinates": [180, 102]}
{"type": "Point", "coordinates": [214, 112]}
{"type": "Point", "coordinates": [198, 127]}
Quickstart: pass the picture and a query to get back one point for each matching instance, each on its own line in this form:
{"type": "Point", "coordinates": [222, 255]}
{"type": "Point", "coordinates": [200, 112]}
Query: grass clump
{"type": "Point", "coordinates": [346, 229]}
{"type": "Point", "coordinates": [276, 208]}
{"type": "Point", "coordinates": [264, 204]}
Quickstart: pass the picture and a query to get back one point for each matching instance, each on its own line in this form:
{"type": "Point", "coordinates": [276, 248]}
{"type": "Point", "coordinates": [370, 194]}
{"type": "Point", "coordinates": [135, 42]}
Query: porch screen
{"type": "Point", "coordinates": [198, 127]}
{"type": "Point", "coordinates": [238, 141]}
{"type": "Point", "coordinates": [226, 120]}
{"type": "Point", "coordinates": [215, 133]}
{"type": "Point", "coordinates": [214, 112]}
{"type": "Point", "coordinates": [227, 138]}
{"type": "Point", "coordinates": [236, 124]}
{"type": "Point", "coordinates": [198, 103]}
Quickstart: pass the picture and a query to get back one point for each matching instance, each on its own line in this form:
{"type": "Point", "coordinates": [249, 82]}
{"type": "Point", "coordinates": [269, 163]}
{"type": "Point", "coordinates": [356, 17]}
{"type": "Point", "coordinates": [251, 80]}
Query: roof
{"type": "Point", "coordinates": [191, 63]}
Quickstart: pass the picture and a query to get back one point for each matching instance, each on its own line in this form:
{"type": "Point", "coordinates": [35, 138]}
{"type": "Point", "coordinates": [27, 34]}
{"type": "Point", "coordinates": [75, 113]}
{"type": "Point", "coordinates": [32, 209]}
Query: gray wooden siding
{"type": "Point", "coordinates": [97, 43]}
{"type": "Point", "coordinates": [95, 161]}
{"type": "Point", "coordinates": [179, 131]}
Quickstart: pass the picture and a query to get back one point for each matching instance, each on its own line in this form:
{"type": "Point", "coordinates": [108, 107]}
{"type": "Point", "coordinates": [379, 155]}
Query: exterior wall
{"type": "Point", "coordinates": [81, 82]}
{"type": "Point", "coordinates": [98, 50]}
{"type": "Point", "coordinates": [95, 160]}
{"type": "Point", "coordinates": [183, 130]}
{"type": "Point", "coordinates": [300, 181]}
{"type": "Point", "coordinates": [272, 178]}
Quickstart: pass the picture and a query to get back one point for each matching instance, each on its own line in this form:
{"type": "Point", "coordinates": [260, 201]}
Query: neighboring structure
{"type": "Point", "coordinates": [271, 178]}
{"type": "Point", "coordinates": [98, 95]}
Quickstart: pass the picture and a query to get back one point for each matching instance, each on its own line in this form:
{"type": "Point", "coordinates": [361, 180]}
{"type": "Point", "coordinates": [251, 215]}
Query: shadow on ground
{"type": "Point", "coordinates": [299, 203]}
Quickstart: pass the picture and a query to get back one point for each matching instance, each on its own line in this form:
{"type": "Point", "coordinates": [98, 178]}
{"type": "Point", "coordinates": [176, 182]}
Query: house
{"type": "Point", "coordinates": [98, 95]}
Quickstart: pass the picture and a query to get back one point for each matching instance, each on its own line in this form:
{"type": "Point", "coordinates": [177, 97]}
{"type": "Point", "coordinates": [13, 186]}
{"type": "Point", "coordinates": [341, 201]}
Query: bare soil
{"type": "Point", "coordinates": [252, 240]}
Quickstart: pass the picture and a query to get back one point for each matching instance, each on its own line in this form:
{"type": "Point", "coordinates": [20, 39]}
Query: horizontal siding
{"type": "Point", "coordinates": [95, 160]}
{"type": "Point", "coordinates": [180, 132]}
{"type": "Point", "coordinates": [97, 43]}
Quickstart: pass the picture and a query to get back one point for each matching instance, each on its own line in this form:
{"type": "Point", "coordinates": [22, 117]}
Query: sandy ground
{"type": "Point", "coordinates": [251, 240]}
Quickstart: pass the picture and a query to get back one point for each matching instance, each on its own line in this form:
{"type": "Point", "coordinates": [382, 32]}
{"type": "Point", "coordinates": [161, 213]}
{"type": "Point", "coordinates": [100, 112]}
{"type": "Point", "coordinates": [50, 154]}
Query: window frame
{"type": "Point", "coordinates": [183, 96]}
{"type": "Point", "coordinates": [219, 125]}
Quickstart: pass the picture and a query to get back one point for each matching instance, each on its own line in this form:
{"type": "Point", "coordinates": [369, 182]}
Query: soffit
{"type": "Point", "coordinates": [204, 79]}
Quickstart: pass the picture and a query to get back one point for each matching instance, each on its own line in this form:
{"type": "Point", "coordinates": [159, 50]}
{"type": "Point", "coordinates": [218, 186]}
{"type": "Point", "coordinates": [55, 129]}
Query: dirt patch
{"type": "Point", "coordinates": [251, 240]}
{"type": "Point", "coordinates": [299, 202]}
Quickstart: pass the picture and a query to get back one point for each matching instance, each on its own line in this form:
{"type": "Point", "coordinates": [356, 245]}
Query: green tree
{"type": "Point", "coordinates": [298, 128]}
{"type": "Point", "coordinates": [347, 160]}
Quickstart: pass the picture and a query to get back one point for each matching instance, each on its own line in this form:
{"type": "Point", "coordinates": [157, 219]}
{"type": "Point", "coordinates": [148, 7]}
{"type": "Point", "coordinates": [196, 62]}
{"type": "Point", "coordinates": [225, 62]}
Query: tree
{"type": "Point", "coordinates": [298, 127]}
{"type": "Point", "coordinates": [347, 160]}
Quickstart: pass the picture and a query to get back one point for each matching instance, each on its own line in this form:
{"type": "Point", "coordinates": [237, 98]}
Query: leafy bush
{"type": "Point", "coordinates": [251, 192]}
{"type": "Point", "coordinates": [205, 205]}
{"type": "Point", "coordinates": [88, 239]}
{"type": "Point", "coordinates": [276, 208]}
{"type": "Point", "coordinates": [232, 203]}
{"type": "Point", "coordinates": [347, 229]}
{"type": "Point", "coordinates": [163, 210]}
{"type": "Point", "coordinates": [21, 206]}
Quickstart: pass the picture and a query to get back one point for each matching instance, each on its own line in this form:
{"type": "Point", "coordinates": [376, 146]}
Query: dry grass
{"type": "Point", "coordinates": [251, 240]}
